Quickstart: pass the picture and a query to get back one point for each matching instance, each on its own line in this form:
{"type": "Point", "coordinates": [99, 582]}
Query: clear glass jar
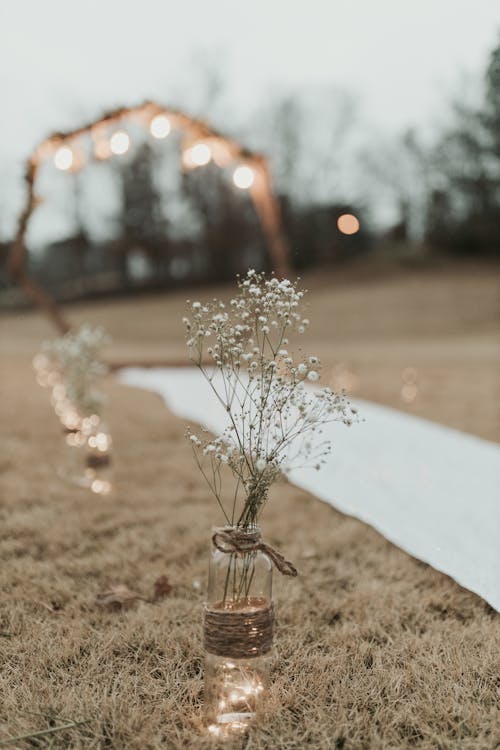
{"type": "Point", "coordinates": [237, 629]}
{"type": "Point", "coordinates": [71, 460]}
{"type": "Point", "coordinates": [87, 455]}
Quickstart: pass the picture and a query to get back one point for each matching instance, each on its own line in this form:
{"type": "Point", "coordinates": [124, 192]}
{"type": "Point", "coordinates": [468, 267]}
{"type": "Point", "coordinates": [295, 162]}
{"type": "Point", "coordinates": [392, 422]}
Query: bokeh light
{"type": "Point", "coordinates": [348, 224]}
{"type": "Point", "coordinates": [243, 177]}
{"type": "Point", "coordinates": [409, 389]}
{"type": "Point", "coordinates": [160, 126]}
{"type": "Point", "coordinates": [119, 143]}
{"type": "Point", "coordinates": [63, 158]}
{"type": "Point", "coordinates": [102, 149]}
{"type": "Point", "coordinates": [200, 154]}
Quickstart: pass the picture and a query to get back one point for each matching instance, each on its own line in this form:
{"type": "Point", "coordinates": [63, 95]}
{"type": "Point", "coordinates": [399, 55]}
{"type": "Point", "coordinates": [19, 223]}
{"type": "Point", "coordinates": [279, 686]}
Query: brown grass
{"type": "Point", "coordinates": [374, 649]}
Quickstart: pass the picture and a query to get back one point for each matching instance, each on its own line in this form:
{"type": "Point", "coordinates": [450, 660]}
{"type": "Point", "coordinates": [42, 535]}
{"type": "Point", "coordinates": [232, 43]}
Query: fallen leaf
{"type": "Point", "coordinates": [117, 596]}
{"type": "Point", "coordinates": [162, 587]}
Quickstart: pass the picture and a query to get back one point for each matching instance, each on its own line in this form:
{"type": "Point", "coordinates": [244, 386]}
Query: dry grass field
{"type": "Point", "coordinates": [374, 649]}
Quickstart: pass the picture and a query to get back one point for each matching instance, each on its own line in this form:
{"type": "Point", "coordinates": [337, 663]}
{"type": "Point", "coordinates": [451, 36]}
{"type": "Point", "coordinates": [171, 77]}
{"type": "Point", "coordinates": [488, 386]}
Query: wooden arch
{"type": "Point", "coordinates": [223, 151]}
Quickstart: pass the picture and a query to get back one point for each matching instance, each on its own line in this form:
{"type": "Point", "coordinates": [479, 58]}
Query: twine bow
{"type": "Point", "coordinates": [232, 539]}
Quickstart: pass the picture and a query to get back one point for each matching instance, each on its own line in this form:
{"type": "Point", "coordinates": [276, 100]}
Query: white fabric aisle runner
{"type": "Point", "coordinates": [433, 491]}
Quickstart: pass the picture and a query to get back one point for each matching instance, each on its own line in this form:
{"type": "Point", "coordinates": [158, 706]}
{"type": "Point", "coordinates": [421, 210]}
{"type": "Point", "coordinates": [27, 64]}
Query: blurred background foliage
{"type": "Point", "coordinates": [141, 222]}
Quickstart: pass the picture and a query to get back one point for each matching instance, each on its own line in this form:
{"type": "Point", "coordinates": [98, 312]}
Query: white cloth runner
{"type": "Point", "coordinates": [433, 491]}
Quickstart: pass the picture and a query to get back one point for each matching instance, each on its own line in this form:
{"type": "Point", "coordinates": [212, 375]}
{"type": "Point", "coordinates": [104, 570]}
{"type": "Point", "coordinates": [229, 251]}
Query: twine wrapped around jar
{"type": "Point", "coordinates": [231, 539]}
{"type": "Point", "coordinates": [239, 634]}
{"type": "Point", "coordinates": [96, 461]}
{"type": "Point", "coordinates": [242, 628]}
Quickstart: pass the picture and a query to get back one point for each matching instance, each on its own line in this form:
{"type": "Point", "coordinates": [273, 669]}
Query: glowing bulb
{"type": "Point", "coordinates": [59, 392]}
{"type": "Point", "coordinates": [120, 142]}
{"type": "Point", "coordinates": [40, 362]}
{"type": "Point", "coordinates": [348, 224]}
{"type": "Point", "coordinates": [200, 154]}
{"type": "Point", "coordinates": [102, 442]}
{"type": "Point", "coordinates": [160, 126]}
{"type": "Point", "coordinates": [63, 158]}
{"type": "Point", "coordinates": [243, 177]}
{"type": "Point", "coordinates": [100, 487]}
{"type": "Point", "coordinates": [409, 392]}
{"type": "Point", "coordinates": [102, 149]}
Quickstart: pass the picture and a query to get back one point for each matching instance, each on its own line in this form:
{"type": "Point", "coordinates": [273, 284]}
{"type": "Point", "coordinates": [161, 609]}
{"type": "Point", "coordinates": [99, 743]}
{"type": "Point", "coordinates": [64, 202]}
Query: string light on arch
{"type": "Point", "coordinates": [200, 154]}
{"type": "Point", "coordinates": [64, 158]}
{"type": "Point", "coordinates": [202, 145]}
{"type": "Point", "coordinates": [102, 149]}
{"type": "Point", "coordinates": [119, 142]}
{"type": "Point", "coordinates": [244, 177]}
{"type": "Point", "coordinates": [160, 126]}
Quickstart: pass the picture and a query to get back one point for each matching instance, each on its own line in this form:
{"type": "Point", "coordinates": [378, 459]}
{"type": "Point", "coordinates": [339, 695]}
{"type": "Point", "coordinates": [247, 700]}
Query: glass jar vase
{"type": "Point", "coordinates": [238, 629]}
{"type": "Point", "coordinates": [87, 455]}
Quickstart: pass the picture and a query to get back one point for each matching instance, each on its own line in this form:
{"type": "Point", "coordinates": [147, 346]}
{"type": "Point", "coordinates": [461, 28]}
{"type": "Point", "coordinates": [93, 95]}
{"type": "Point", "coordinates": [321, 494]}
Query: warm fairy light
{"type": "Point", "coordinates": [63, 158]}
{"type": "Point", "coordinates": [243, 177]}
{"type": "Point", "coordinates": [409, 389]}
{"type": "Point", "coordinates": [348, 224]}
{"type": "Point", "coordinates": [200, 154]}
{"type": "Point", "coordinates": [222, 152]}
{"type": "Point", "coordinates": [102, 149]}
{"type": "Point", "coordinates": [160, 126]}
{"type": "Point", "coordinates": [211, 146]}
{"type": "Point", "coordinates": [409, 392]}
{"type": "Point", "coordinates": [101, 441]}
{"type": "Point", "coordinates": [119, 142]}
{"type": "Point", "coordinates": [343, 379]}
{"type": "Point", "coordinates": [101, 487]}
{"type": "Point", "coordinates": [238, 695]}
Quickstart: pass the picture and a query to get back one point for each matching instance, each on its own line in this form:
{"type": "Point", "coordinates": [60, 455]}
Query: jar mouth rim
{"type": "Point", "coordinates": [251, 529]}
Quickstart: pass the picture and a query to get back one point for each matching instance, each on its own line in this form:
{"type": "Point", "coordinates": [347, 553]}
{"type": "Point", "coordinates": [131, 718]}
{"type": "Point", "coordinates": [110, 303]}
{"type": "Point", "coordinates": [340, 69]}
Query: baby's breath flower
{"type": "Point", "coordinates": [274, 421]}
{"type": "Point", "coordinates": [75, 361]}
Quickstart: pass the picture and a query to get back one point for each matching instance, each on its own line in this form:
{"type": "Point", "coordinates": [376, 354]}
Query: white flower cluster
{"type": "Point", "coordinates": [70, 364]}
{"type": "Point", "coordinates": [274, 419]}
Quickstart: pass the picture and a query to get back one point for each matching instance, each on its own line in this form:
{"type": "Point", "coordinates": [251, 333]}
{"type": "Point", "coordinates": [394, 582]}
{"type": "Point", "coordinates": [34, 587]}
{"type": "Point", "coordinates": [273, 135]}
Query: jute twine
{"type": "Point", "coordinates": [231, 539]}
{"type": "Point", "coordinates": [238, 634]}
{"type": "Point", "coordinates": [247, 632]}
{"type": "Point", "coordinates": [95, 461]}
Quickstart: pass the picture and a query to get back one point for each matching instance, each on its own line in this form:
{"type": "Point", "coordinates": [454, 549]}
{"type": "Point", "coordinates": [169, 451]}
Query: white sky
{"type": "Point", "coordinates": [61, 61]}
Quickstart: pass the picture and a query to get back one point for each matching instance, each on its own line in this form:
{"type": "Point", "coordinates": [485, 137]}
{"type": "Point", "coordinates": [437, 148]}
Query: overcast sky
{"type": "Point", "coordinates": [61, 61]}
